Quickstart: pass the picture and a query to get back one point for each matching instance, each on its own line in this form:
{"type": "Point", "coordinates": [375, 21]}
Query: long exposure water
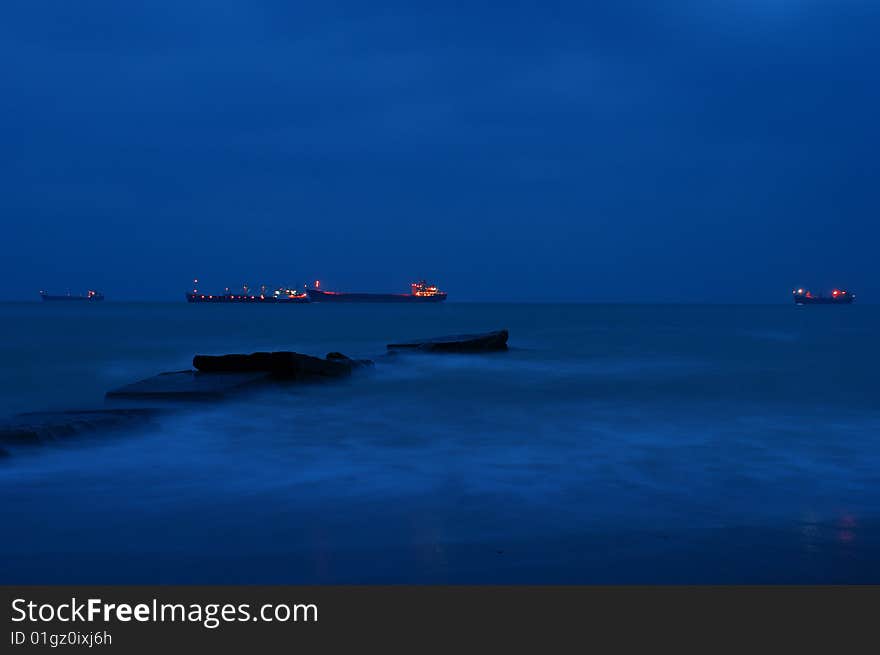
{"type": "Point", "coordinates": [611, 444]}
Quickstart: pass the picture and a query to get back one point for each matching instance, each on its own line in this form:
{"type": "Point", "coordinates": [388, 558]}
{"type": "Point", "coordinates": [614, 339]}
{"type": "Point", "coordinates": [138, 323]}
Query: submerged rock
{"type": "Point", "coordinates": [34, 428]}
{"type": "Point", "coordinates": [461, 343]}
{"type": "Point", "coordinates": [188, 385]}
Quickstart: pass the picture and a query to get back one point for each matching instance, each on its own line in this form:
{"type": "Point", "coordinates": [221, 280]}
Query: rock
{"type": "Point", "coordinates": [354, 362]}
{"type": "Point", "coordinates": [189, 385]}
{"type": "Point", "coordinates": [461, 343]}
{"type": "Point", "coordinates": [218, 376]}
{"type": "Point", "coordinates": [285, 365]}
{"type": "Point", "coordinates": [38, 427]}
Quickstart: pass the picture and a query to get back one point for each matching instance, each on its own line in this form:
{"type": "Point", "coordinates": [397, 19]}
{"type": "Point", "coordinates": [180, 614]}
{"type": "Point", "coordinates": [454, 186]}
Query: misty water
{"type": "Point", "coordinates": [611, 444]}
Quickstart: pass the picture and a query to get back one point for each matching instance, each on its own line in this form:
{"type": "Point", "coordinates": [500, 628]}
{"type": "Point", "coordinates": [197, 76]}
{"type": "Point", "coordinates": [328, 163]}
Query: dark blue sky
{"type": "Point", "coordinates": [609, 151]}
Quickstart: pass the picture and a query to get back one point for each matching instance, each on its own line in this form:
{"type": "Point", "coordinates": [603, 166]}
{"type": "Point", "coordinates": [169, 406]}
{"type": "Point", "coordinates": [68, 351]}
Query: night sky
{"type": "Point", "coordinates": [700, 150]}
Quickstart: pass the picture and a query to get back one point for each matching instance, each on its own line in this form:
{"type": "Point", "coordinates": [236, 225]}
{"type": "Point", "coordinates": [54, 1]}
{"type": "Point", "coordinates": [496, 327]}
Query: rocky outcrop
{"type": "Point", "coordinates": [284, 364]}
{"type": "Point", "coordinates": [220, 376]}
{"type": "Point", "coordinates": [216, 377]}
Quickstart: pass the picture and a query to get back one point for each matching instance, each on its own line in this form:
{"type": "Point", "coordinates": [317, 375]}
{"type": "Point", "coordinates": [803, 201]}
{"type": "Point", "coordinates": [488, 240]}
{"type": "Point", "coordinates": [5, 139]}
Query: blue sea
{"type": "Point", "coordinates": [611, 444]}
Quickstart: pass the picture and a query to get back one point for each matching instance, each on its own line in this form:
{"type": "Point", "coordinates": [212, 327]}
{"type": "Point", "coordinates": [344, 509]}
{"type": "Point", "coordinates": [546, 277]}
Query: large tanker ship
{"type": "Point", "coordinates": [280, 295]}
{"type": "Point", "coordinates": [837, 297]}
{"type": "Point", "coordinates": [419, 292]}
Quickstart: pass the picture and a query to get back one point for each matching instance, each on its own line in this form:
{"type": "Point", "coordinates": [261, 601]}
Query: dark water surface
{"type": "Point", "coordinates": [612, 444]}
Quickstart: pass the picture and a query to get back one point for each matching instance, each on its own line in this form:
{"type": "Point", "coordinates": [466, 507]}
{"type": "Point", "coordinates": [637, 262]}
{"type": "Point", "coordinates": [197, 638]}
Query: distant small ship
{"type": "Point", "coordinates": [419, 292]}
{"type": "Point", "coordinates": [280, 295]}
{"type": "Point", "coordinates": [91, 296]}
{"type": "Point", "coordinates": [837, 297]}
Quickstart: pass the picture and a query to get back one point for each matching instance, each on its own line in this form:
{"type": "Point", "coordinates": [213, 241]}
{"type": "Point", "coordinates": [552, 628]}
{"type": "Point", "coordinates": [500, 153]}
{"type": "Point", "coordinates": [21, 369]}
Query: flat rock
{"type": "Point", "coordinates": [219, 376]}
{"type": "Point", "coordinates": [460, 343]}
{"type": "Point", "coordinates": [284, 365]}
{"type": "Point", "coordinates": [189, 385]}
{"type": "Point", "coordinates": [38, 427]}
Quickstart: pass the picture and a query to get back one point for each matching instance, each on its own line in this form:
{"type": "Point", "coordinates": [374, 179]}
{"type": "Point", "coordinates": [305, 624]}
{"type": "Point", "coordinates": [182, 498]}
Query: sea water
{"type": "Point", "coordinates": [610, 444]}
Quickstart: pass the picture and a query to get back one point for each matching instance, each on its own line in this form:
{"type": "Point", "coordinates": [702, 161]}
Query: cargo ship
{"type": "Point", "coordinates": [282, 295]}
{"type": "Point", "coordinates": [420, 292]}
{"type": "Point", "coordinates": [837, 297]}
{"type": "Point", "coordinates": [90, 296]}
